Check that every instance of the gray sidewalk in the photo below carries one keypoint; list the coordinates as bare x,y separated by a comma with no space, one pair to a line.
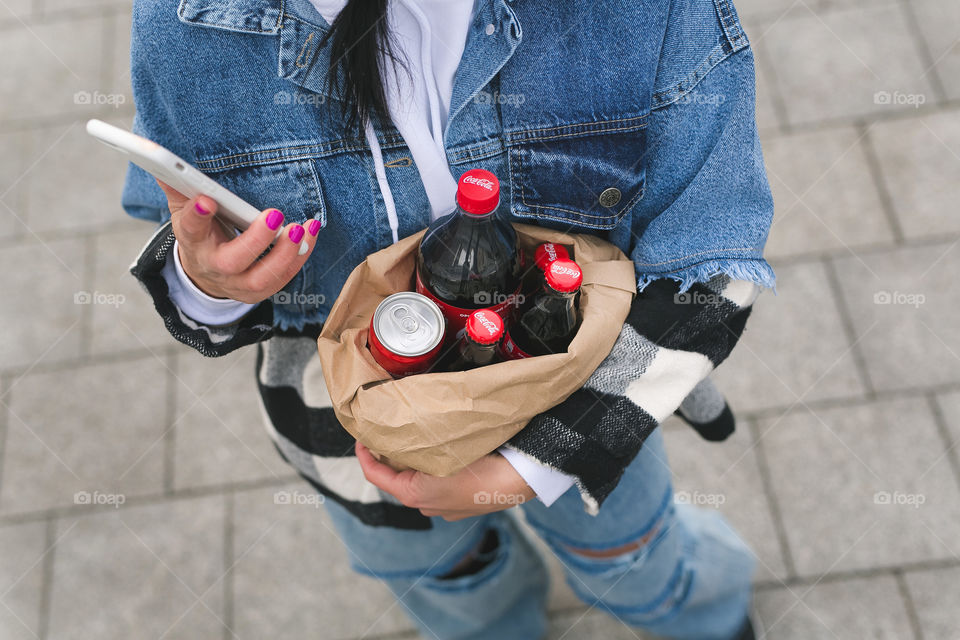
843,475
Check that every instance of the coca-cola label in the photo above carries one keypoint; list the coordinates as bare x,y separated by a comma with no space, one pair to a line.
490,325
510,349
564,275
457,317
562,269
480,182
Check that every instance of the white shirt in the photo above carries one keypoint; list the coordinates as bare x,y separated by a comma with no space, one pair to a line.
429,35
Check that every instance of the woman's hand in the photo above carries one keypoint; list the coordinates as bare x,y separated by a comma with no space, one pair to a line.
224,266
487,485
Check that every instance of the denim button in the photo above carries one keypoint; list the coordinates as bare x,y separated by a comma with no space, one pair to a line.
490,29
610,197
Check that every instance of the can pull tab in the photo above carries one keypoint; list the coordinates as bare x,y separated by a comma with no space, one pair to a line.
406,319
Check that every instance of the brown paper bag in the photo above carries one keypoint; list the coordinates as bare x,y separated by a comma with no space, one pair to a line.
439,423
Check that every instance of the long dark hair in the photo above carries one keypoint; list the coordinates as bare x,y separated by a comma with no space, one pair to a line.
360,46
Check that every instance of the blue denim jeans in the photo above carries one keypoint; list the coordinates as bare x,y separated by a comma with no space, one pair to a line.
690,578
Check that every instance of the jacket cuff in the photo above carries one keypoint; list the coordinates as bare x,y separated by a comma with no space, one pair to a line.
208,340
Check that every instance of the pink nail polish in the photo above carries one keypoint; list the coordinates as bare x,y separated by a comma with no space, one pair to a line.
274,219
313,227
296,234
202,210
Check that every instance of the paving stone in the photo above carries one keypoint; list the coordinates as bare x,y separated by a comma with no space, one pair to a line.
834,65
119,62
949,404
588,624
824,195
141,572
219,435
920,161
291,549
767,120
725,476
772,10
72,163
82,431
14,11
862,486
21,579
938,22
934,597
786,351
51,7
51,69
12,165
39,314
123,317
860,608
905,305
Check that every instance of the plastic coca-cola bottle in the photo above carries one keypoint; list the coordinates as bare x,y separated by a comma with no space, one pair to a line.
468,260
479,343
547,322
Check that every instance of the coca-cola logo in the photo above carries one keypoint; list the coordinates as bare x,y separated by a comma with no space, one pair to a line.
480,182
550,250
561,269
487,323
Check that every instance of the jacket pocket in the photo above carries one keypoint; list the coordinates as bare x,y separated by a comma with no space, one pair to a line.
292,186
587,175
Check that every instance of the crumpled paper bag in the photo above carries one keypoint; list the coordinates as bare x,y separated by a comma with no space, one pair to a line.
439,423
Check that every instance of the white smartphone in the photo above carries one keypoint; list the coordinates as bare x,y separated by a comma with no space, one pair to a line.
178,173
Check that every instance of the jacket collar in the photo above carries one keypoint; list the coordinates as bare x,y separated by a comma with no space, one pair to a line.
247,16
301,28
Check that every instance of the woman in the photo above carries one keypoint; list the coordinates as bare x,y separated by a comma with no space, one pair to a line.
632,121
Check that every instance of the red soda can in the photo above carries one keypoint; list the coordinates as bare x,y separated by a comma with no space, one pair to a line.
406,333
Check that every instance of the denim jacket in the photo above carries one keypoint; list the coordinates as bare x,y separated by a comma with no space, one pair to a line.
633,121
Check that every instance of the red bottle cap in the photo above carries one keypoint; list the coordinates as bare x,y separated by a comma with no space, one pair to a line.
564,276
547,253
485,326
478,192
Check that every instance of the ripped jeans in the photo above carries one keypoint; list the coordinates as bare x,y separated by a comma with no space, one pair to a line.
684,573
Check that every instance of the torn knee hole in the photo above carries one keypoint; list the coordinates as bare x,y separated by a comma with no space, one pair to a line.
477,558
612,552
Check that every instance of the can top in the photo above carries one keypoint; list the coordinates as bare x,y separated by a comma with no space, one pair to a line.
478,192
485,326
564,276
547,253
408,324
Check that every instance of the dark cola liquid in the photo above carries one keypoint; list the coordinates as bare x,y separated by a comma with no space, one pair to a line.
467,355
469,261
547,324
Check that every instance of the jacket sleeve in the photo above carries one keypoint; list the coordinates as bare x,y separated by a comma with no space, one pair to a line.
209,340
704,171
142,198
669,343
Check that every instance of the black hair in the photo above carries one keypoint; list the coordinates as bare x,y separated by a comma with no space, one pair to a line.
360,47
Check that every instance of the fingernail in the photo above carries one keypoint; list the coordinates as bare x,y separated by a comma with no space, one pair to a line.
202,210
296,233
274,219
313,227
